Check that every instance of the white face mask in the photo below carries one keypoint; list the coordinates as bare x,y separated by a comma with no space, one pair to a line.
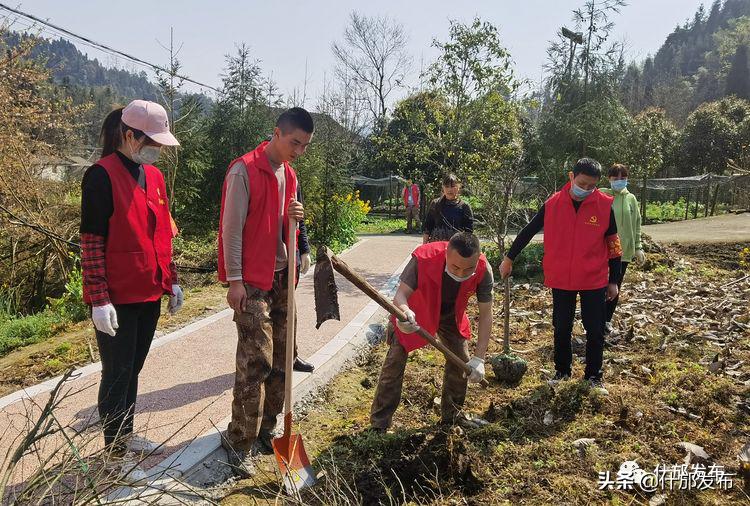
147,155
457,278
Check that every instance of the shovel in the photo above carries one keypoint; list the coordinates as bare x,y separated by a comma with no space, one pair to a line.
289,450
326,299
508,367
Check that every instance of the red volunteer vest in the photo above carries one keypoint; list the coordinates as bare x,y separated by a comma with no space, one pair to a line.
138,251
576,256
414,195
425,301
260,235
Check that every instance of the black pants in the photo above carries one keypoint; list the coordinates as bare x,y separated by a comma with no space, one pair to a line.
612,304
592,314
122,360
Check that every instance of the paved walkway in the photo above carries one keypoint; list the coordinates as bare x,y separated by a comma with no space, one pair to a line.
723,228
188,376
715,229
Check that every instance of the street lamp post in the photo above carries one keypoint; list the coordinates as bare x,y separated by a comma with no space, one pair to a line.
575,38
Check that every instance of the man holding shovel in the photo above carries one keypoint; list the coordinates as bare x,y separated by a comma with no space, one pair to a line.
258,200
581,256
434,294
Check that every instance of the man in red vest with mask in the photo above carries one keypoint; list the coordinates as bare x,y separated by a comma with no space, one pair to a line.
258,199
581,256
411,204
434,293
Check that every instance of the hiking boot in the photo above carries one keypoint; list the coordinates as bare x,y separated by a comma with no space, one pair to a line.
596,385
303,366
241,462
263,444
559,376
140,444
127,470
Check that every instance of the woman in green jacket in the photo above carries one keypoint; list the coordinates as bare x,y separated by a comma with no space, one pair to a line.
628,218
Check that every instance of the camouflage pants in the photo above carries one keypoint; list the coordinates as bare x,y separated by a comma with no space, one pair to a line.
412,213
261,354
388,391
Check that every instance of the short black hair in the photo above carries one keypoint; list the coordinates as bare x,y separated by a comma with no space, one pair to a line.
466,243
296,117
587,166
618,170
450,180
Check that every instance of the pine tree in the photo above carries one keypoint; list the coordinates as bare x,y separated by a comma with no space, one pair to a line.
738,79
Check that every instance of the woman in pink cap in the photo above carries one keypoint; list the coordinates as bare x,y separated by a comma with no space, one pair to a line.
126,248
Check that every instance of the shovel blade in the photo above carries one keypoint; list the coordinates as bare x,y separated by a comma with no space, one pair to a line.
326,292
293,462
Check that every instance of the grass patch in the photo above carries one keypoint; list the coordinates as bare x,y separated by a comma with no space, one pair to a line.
22,331
381,225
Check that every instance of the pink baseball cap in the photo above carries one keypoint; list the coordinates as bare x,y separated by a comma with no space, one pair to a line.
151,119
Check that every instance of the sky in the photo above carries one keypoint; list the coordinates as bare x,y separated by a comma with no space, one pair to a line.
292,38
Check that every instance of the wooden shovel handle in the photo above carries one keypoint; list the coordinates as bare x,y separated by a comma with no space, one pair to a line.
291,252
389,306
506,308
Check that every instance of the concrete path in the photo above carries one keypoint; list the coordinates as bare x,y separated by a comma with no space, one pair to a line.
715,229
186,384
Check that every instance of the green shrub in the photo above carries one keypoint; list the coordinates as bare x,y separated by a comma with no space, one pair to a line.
338,228
201,250
26,330
674,211
527,265
70,307
380,225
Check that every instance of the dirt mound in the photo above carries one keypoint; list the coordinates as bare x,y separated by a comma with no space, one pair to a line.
724,256
423,464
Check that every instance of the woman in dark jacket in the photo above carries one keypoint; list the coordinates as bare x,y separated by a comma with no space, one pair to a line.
447,214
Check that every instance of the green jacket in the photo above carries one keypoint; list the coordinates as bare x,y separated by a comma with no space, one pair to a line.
628,218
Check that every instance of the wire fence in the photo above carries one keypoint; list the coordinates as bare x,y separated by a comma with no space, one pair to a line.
683,198
384,194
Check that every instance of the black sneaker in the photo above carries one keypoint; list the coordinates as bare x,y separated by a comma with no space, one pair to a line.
559,376
596,385
241,462
263,445
302,366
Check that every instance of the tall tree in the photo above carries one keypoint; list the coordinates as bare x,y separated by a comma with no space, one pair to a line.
650,138
38,221
494,162
714,134
584,79
239,121
738,78
373,56
471,64
324,170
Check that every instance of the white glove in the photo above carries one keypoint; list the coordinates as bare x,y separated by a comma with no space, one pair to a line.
640,256
176,300
304,263
410,325
477,369
105,319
